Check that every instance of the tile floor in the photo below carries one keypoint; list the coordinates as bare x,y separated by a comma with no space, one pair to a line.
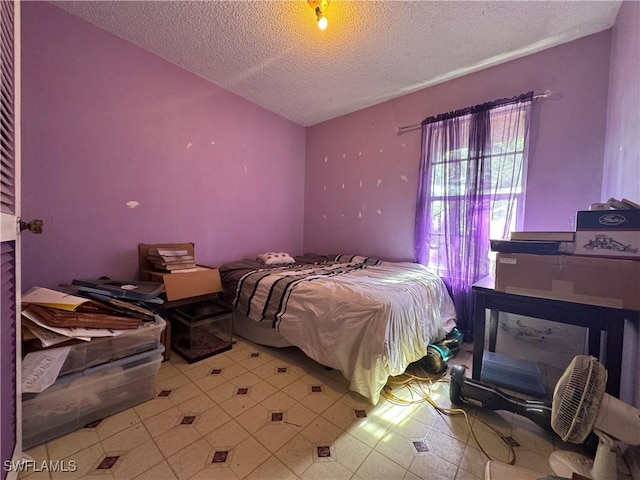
256,412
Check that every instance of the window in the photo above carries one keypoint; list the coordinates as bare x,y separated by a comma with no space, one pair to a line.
503,166
471,189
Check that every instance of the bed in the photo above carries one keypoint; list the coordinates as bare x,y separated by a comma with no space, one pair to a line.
365,317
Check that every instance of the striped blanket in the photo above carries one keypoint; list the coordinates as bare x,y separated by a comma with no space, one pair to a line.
262,295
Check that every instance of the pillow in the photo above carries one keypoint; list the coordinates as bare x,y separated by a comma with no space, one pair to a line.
275,258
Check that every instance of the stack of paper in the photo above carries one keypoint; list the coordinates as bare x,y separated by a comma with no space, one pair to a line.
38,300
171,260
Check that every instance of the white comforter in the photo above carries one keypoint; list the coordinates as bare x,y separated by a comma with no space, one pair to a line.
369,323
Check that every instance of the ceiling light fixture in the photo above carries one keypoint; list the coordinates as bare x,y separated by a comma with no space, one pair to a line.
319,6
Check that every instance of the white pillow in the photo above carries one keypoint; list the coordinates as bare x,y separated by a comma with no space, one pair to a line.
274,258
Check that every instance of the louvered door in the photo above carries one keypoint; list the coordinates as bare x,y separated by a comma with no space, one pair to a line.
10,405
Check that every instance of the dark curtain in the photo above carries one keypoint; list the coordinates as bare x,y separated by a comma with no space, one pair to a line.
471,184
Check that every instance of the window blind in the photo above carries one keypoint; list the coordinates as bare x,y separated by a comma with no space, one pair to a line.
7,117
7,351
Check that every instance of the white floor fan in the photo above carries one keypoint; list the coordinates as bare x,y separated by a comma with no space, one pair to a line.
580,405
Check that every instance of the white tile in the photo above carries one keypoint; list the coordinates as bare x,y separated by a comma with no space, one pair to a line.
274,436
137,460
248,359
38,454
473,461
445,446
116,423
211,420
161,471
198,404
215,472
326,470
254,418
378,467
158,424
262,390
184,392
463,474
207,377
350,452
490,441
246,379
321,430
153,407
344,416
454,426
533,461
398,448
541,444
85,462
407,476
189,461
226,397
303,391
71,443
247,455
127,439
297,454
423,412
410,428
272,469
177,438
433,467
229,434
167,369
369,431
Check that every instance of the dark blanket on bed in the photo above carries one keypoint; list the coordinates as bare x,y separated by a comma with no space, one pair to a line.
264,293
232,272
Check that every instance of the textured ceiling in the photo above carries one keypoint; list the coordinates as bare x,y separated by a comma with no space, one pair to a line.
272,52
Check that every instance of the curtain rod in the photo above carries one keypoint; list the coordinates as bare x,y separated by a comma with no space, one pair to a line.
409,128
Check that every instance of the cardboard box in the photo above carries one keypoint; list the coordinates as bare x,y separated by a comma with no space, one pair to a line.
606,282
179,286
608,233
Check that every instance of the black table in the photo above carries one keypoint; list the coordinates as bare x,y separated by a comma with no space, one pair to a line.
596,319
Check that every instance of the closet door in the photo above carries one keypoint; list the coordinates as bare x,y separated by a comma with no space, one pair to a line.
10,365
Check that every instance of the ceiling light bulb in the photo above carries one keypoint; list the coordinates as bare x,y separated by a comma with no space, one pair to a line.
319,7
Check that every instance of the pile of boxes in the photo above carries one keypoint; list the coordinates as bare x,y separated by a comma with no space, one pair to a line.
200,323
604,268
107,375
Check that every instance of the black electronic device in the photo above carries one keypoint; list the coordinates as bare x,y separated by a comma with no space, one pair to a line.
471,392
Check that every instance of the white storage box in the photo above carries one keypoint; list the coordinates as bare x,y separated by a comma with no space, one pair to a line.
608,233
80,398
99,350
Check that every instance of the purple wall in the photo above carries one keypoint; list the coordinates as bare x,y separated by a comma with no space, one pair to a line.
622,147
361,177
122,147
622,154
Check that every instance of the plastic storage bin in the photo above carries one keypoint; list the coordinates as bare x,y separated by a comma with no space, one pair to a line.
80,398
201,329
513,373
101,350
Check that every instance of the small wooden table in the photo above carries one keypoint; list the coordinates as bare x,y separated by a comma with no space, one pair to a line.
595,318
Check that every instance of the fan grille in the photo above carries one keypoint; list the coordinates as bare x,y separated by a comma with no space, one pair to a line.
577,398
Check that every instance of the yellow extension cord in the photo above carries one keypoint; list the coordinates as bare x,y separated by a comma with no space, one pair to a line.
421,387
